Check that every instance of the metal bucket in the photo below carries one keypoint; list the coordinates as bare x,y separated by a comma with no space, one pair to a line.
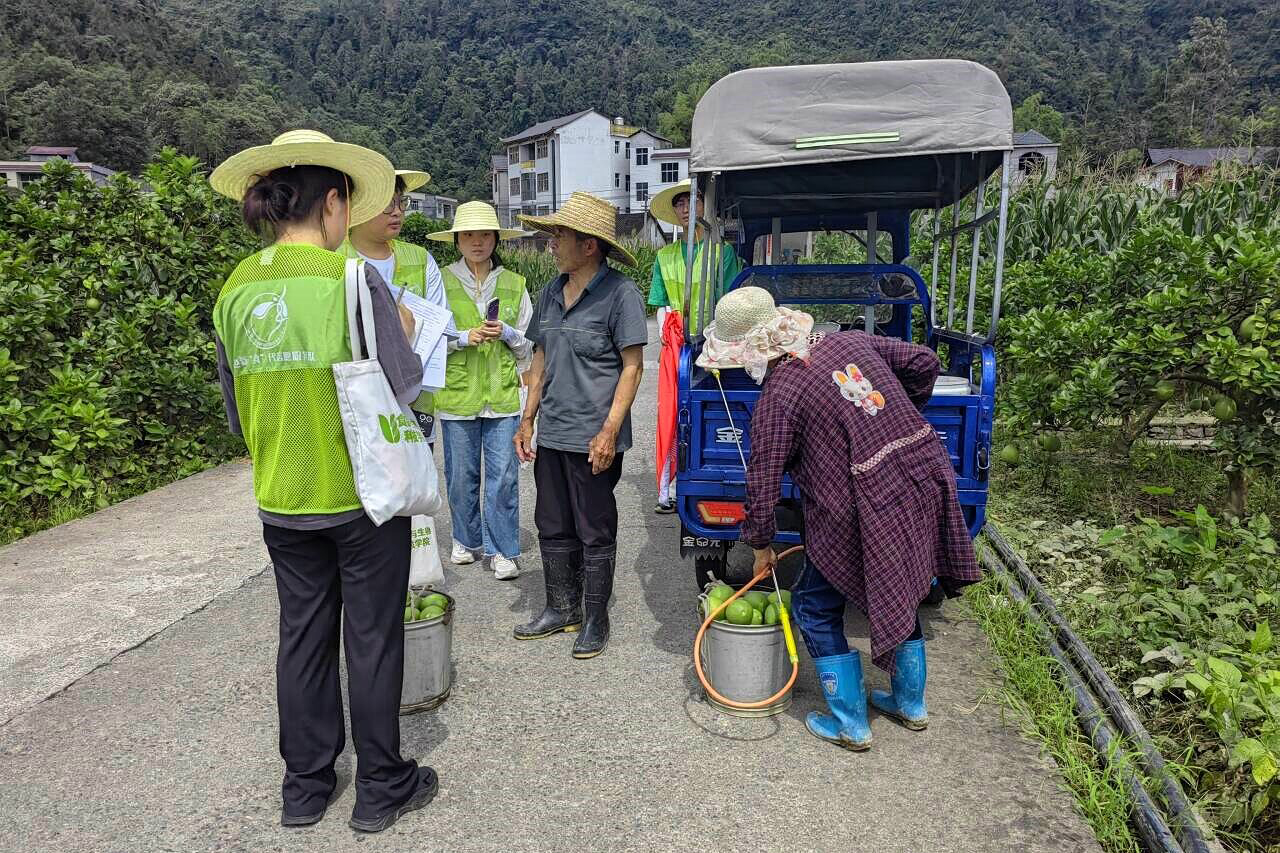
428,662
746,663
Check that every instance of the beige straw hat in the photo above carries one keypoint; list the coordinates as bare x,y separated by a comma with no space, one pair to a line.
663,206
476,216
588,215
412,179
373,179
750,331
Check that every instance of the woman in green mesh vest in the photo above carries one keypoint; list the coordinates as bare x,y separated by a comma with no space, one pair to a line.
479,408
402,265
667,290
280,325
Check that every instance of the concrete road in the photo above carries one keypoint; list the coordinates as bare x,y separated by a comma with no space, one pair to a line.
139,698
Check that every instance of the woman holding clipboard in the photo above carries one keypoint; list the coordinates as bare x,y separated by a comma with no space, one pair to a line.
479,407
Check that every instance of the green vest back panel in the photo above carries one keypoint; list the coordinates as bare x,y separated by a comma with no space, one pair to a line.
282,319
482,375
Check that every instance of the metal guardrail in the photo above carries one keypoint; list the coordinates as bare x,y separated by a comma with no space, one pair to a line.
1168,827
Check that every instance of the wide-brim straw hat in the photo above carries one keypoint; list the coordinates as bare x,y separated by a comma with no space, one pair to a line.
750,331
373,179
476,216
412,178
663,205
588,215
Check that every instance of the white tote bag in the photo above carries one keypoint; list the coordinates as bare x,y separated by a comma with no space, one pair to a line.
394,470
425,568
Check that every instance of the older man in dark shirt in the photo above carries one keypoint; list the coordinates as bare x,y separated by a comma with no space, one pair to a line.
880,508
589,330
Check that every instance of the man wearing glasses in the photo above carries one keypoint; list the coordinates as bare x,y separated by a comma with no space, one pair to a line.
402,265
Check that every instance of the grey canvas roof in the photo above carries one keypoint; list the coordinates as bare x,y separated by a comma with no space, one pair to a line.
542,128
810,114
1204,157
1032,139
838,140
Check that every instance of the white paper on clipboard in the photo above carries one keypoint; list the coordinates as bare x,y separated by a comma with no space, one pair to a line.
430,341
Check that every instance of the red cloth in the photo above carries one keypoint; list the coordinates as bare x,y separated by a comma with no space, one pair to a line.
668,376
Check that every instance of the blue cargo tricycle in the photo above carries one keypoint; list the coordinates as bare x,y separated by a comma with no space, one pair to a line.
779,154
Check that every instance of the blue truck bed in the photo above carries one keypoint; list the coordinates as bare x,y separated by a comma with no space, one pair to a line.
711,481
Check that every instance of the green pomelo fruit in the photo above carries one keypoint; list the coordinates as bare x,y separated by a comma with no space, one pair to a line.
1164,390
1010,454
771,615
757,618
1249,328
435,599
1224,409
409,614
757,599
430,612
739,613
91,304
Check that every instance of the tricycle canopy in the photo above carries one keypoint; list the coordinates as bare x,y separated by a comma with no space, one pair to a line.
857,136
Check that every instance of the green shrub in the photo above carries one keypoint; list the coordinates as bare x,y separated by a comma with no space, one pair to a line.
1182,615
108,360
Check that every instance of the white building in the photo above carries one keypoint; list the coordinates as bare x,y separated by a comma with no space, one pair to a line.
1169,170
18,173
1033,154
583,152
431,205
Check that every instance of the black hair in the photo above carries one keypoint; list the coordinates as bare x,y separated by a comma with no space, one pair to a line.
494,257
291,194
400,188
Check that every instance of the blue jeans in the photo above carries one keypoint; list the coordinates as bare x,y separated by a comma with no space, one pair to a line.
818,608
468,445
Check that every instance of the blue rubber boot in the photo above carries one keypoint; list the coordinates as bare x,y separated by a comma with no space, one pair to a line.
906,702
846,725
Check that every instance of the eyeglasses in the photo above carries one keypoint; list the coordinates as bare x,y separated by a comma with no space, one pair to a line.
398,202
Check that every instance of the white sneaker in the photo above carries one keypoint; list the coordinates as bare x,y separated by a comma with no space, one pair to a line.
461,556
504,569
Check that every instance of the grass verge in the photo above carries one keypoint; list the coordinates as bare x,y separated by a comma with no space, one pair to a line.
1033,689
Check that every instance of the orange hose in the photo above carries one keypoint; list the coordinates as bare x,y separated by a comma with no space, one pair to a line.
711,617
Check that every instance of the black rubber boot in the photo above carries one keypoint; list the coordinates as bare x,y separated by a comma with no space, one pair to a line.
562,574
597,589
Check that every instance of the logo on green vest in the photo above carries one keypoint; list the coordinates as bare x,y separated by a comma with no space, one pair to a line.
397,428
267,320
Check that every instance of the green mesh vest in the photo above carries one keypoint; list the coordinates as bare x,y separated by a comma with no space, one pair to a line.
410,272
282,318
671,263
485,374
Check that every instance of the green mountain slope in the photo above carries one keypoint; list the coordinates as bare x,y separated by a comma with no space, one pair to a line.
436,84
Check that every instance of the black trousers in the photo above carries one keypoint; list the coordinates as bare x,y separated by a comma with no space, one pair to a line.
356,573
575,508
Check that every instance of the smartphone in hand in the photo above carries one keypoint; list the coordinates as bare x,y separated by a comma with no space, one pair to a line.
491,310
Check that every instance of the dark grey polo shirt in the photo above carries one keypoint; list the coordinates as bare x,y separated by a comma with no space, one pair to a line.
582,357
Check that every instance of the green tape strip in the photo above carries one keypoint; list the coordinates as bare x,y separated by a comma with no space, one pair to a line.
848,139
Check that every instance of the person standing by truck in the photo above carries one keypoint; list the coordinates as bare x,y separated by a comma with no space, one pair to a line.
842,415
667,292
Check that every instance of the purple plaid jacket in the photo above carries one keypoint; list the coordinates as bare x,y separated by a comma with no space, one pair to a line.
880,508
